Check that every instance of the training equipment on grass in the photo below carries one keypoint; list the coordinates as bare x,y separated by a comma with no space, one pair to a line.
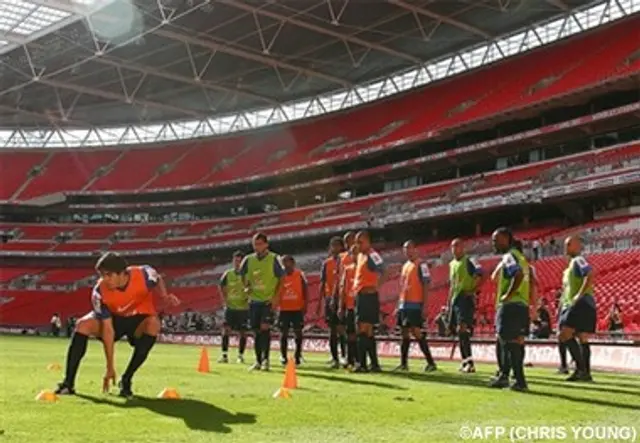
203,365
54,367
47,396
282,393
169,394
290,380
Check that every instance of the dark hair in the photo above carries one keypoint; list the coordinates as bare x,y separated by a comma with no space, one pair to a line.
288,257
238,253
365,234
112,262
261,236
505,231
336,241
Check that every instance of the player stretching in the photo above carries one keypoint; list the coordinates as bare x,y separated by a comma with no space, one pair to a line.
465,277
122,305
512,317
261,274
368,278
579,312
236,314
414,294
348,303
292,303
328,293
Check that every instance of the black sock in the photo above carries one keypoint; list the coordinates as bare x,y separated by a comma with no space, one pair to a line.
363,341
576,354
77,349
562,349
404,351
257,346
469,352
284,335
463,346
505,359
266,344
343,345
243,344
515,352
499,353
298,345
586,357
352,351
225,344
424,347
333,344
140,353
373,351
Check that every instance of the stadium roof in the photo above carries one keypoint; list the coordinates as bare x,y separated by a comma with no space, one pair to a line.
220,66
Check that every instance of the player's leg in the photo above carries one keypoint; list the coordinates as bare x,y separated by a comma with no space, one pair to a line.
332,321
518,328
228,324
374,318
503,328
405,344
569,324
241,327
466,311
284,321
87,326
146,329
417,323
298,324
585,347
352,337
342,340
265,332
254,323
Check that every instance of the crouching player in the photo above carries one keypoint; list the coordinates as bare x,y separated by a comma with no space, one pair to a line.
292,302
122,305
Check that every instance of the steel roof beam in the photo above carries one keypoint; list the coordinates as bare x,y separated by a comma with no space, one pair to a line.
321,30
265,60
444,19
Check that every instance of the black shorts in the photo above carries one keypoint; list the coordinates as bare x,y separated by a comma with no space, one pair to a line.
560,315
127,326
512,321
580,316
368,308
259,313
350,321
291,319
410,318
331,313
236,319
463,309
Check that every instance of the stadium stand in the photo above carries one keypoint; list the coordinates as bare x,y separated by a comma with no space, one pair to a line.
452,103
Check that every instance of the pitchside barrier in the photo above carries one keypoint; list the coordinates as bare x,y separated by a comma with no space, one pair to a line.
621,355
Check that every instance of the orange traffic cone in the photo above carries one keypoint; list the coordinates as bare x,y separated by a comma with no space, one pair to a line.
169,394
290,378
47,396
203,366
282,393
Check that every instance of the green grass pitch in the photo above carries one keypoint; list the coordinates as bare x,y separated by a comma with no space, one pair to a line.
232,405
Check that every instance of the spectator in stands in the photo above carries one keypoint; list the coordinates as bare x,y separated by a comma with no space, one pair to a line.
56,325
616,326
541,326
441,322
536,250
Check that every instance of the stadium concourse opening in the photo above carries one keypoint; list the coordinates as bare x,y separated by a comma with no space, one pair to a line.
288,221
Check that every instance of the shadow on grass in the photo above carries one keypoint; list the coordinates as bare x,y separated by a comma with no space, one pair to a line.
594,387
353,379
197,415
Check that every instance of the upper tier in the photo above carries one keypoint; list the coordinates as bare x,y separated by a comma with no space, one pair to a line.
576,64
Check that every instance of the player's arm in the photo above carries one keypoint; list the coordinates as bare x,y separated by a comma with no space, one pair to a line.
323,284
278,271
342,292
376,264
107,335
155,282
582,269
425,278
223,288
305,292
244,271
533,295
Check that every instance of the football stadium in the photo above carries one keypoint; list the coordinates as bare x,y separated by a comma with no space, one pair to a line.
319,220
